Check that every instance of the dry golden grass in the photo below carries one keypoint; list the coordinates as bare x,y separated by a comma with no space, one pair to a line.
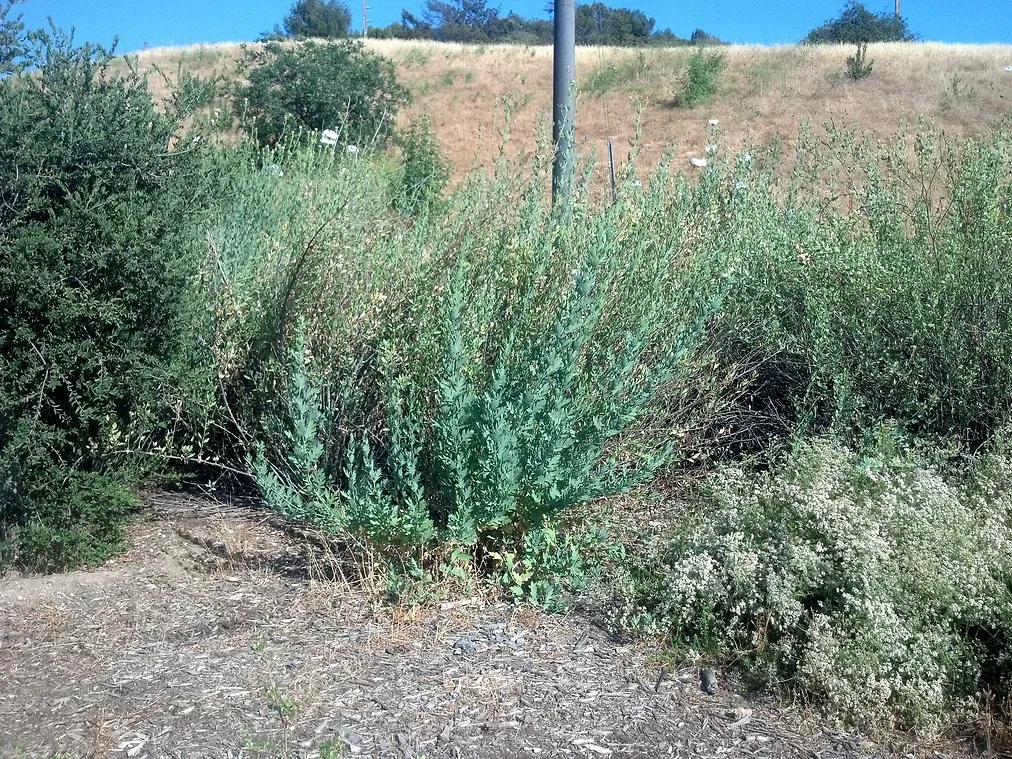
765,93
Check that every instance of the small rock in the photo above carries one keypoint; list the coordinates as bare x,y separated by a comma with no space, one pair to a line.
466,645
1008,69
708,681
699,163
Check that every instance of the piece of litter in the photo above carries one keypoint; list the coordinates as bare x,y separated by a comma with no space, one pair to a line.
1008,69
741,716
713,122
699,163
447,605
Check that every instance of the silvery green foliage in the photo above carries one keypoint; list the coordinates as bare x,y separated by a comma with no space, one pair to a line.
863,579
297,485
456,385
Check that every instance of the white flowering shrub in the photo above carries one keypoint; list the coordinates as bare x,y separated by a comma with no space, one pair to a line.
873,583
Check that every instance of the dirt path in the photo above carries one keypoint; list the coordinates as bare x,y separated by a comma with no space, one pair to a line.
207,640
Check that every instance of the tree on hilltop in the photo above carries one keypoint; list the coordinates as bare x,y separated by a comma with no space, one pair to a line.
324,19
857,24
597,24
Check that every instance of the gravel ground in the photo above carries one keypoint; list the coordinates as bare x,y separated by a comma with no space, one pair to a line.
209,638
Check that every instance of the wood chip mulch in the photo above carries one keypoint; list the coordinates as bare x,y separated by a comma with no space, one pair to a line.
209,639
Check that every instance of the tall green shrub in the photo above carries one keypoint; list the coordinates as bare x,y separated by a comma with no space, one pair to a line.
424,171
313,86
95,212
884,301
464,381
700,81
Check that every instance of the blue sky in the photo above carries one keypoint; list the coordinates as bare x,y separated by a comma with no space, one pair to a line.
170,22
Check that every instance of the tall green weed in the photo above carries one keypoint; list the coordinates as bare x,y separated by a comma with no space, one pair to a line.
877,291
467,378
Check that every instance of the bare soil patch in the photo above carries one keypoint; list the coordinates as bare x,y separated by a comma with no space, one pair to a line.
209,639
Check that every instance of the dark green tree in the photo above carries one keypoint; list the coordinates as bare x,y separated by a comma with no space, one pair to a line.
475,22
323,19
699,37
597,24
13,45
461,20
857,24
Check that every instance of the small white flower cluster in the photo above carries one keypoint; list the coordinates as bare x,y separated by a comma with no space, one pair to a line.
858,576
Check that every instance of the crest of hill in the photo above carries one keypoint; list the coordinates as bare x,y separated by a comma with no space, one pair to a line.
764,93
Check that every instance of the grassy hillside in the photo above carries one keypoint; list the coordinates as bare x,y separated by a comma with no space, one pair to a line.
764,93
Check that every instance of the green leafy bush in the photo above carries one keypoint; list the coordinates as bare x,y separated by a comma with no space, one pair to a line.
700,82
873,582
316,86
55,517
424,171
95,217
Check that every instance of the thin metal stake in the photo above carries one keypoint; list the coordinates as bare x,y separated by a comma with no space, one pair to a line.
611,164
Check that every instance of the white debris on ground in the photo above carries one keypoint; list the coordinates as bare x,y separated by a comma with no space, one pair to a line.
699,163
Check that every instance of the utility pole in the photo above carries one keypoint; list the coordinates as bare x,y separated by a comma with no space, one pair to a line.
564,97
365,20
